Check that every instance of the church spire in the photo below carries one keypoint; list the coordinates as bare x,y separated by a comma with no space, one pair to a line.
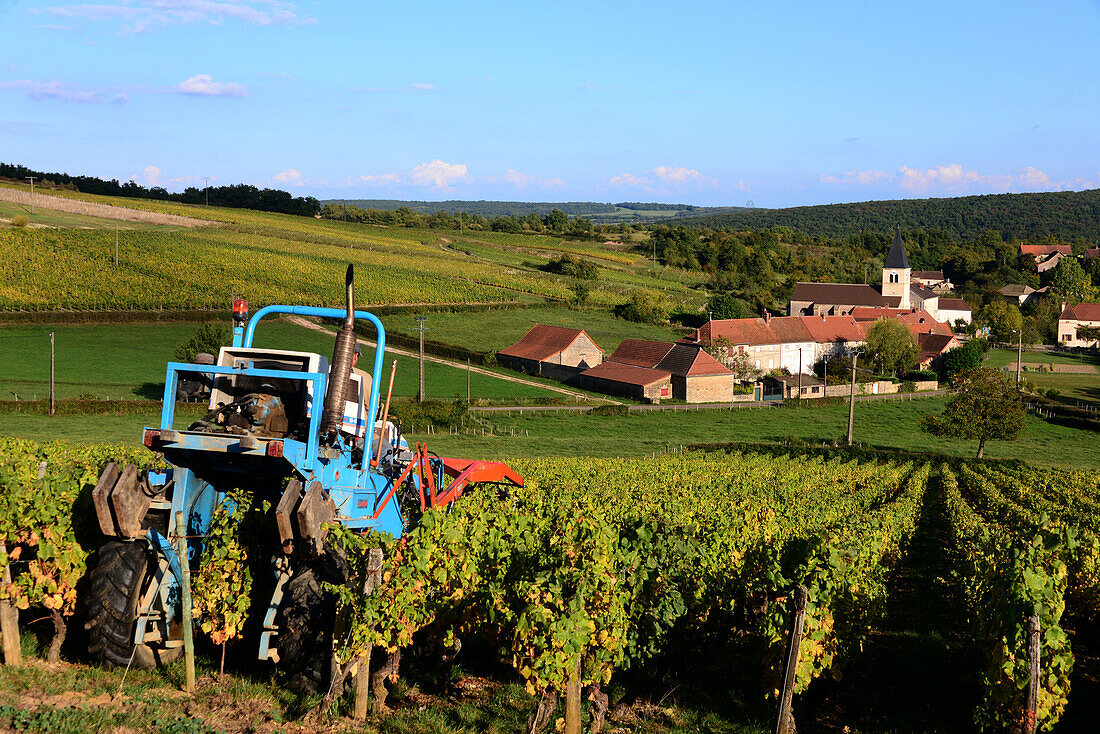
896,258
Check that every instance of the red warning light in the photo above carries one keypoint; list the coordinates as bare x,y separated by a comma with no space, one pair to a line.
240,310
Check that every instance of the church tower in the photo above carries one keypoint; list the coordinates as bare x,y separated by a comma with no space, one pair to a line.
896,272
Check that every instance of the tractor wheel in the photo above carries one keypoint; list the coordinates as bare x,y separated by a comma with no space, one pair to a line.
307,617
115,587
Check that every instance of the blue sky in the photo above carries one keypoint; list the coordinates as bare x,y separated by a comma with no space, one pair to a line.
711,103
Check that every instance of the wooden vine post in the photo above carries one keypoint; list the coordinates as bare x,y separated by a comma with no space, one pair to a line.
185,594
785,721
573,698
9,619
362,675
1033,674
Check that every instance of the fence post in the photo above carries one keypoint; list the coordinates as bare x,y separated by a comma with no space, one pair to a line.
785,722
1033,674
362,676
9,619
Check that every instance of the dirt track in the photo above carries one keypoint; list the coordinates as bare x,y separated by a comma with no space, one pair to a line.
92,209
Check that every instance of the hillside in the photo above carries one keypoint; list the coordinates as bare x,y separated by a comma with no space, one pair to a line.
279,258
1063,214
628,211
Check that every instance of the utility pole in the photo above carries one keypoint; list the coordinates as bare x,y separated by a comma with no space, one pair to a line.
31,179
116,245
826,360
51,374
467,381
852,399
206,189
420,327
800,373
1019,356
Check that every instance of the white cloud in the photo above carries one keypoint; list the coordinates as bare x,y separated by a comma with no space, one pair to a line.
416,87
665,178
951,179
425,87
140,16
60,91
629,179
381,178
152,176
202,85
438,174
682,176
289,177
526,180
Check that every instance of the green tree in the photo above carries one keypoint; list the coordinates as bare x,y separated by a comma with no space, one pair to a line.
556,220
890,347
728,306
985,407
963,358
1070,279
1002,318
209,338
581,289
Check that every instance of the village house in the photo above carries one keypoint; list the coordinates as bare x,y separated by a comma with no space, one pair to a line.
932,346
1046,256
790,343
556,352
1021,293
1074,319
954,309
933,279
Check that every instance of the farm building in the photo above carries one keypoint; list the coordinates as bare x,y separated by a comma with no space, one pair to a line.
1074,319
932,346
696,377
1021,293
552,351
628,381
788,386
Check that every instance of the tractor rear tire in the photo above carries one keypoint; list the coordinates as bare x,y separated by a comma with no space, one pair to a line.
306,620
115,587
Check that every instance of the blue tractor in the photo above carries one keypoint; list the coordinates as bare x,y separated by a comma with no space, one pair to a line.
296,430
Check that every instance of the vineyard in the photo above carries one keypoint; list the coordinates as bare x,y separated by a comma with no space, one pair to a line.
609,570
273,258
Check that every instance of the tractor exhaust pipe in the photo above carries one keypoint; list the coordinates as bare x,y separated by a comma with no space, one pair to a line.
340,369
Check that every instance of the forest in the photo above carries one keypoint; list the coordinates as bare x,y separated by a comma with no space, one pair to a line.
238,196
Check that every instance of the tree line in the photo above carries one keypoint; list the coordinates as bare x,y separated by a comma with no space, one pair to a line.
237,196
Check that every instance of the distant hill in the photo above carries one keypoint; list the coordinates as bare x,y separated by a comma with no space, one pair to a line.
1062,214
629,211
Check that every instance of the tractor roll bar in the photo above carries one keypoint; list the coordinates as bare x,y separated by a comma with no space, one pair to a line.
333,313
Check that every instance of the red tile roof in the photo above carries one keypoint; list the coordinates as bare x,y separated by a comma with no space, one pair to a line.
933,345
1092,252
626,374
640,352
1082,312
543,342
780,330
928,274
689,361
1044,250
917,321
826,329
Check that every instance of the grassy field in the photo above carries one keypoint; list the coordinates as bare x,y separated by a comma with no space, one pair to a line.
490,331
879,424
1071,387
885,424
127,361
51,218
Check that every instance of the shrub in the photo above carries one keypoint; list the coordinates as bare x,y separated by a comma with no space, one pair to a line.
645,306
574,267
209,338
611,410
19,221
